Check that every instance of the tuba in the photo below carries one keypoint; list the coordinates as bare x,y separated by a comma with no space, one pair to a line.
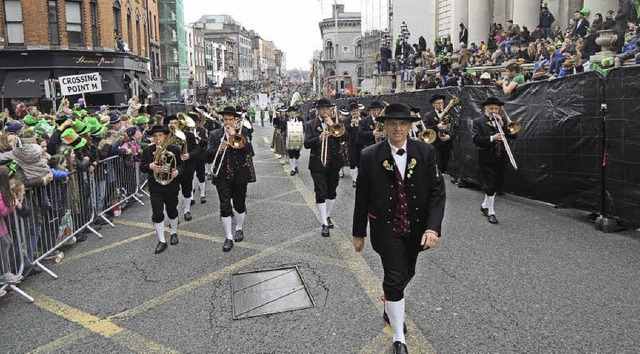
446,118
166,160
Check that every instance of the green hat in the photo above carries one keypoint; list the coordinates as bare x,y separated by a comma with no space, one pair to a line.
585,11
80,127
94,125
30,120
73,139
141,119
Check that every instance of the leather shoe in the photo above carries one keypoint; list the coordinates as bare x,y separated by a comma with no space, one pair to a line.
485,211
399,348
160,247
354,184
385,317
203,200
173,239
492,219
325,230
187,216
192,201
292,173
228,245
329,223
239,236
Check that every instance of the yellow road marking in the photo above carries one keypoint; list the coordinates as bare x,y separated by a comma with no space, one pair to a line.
107,247
367,279
103,327
380,344
61,342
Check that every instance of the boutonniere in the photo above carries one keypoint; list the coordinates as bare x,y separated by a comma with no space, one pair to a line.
371,126
490,123
387,165
319,129
411,166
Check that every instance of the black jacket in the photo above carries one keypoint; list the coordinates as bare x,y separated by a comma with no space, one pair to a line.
148,158
376,191
482,132
312,141
238,159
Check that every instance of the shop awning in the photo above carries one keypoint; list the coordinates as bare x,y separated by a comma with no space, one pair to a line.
147,85
25,84
111,82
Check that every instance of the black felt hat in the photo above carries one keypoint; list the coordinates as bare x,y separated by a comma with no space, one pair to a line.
158,129
415,109
376,104
397,111
353,106
292,109
437,97
492,100
323,102
229,110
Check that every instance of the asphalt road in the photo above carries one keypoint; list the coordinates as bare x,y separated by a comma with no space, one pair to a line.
543,280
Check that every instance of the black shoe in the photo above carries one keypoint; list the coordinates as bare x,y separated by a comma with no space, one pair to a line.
209,177
193,202
492,219
329,223
173,239
399,348
296,170
239,236
353,184
187,216
228,245
325,231
385,317
203,200
292,173
160,247
485,211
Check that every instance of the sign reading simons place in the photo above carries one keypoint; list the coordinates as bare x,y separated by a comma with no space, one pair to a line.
78,84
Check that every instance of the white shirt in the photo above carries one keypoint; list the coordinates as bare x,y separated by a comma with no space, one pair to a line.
401,161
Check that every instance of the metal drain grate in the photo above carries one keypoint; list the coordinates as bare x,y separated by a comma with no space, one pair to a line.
264,292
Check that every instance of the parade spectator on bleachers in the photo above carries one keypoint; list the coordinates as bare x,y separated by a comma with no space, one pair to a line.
546,20
581,24
514,78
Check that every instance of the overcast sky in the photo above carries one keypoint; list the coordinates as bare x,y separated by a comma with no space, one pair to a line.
297,35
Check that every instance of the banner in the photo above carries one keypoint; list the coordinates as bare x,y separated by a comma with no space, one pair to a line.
79,84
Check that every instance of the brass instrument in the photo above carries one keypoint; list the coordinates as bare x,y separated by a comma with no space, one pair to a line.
166,160
512,127
235,141
380,126
335,130
423,133
507,148
355,121
446,118
185,121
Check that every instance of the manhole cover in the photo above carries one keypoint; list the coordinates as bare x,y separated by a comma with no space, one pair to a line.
263,292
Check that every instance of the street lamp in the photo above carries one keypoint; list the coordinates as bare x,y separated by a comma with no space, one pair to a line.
404,34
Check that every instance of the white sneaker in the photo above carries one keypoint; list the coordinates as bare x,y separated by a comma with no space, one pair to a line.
10,278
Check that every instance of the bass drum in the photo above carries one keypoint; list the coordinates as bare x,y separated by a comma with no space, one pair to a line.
295,133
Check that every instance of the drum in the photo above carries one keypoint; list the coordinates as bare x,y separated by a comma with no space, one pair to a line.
295,133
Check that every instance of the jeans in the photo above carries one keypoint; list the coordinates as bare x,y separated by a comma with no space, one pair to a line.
507,45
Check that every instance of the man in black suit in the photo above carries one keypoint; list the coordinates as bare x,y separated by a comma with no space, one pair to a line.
367,134
162,196
491,153
190,156
443,142
231,160
401,194
324,169
294,154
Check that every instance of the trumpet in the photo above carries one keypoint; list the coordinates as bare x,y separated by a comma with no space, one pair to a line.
335,130
235,141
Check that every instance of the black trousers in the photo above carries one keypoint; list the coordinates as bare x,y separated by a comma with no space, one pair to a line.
444,155
294,154
200,170
492,177
399,255
228,190
186,180
325,183
160,201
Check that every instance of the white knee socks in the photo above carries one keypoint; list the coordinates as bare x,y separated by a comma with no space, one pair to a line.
203,188
174,225
395,311
330,203
354,174
239,219
226,226
322,210
160,231
186,204
490,201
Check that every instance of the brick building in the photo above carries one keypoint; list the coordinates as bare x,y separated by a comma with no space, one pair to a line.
42,40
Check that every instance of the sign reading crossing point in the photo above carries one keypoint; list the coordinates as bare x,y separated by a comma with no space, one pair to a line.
79,84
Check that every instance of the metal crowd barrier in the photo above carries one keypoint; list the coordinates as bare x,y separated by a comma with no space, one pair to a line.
61,211
117,183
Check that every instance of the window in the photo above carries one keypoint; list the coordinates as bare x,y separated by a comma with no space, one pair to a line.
155,19
359,49
129,30
138,37
146,38
13,19
74,22
329,50
117,16
54,33
93,6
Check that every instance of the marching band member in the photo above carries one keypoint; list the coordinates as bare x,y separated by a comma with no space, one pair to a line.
325,160
432,120
294,154
162,196
404,216
232,164
491,154
190,158
368,134
353,127
345,119
200,134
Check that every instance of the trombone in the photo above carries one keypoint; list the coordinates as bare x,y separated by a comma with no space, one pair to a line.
235,141
336,130
513,128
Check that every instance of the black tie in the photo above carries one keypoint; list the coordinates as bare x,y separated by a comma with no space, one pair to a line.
400,152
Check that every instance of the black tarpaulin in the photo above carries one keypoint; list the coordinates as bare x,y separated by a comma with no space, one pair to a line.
25,83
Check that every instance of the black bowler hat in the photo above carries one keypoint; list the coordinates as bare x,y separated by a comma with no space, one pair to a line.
229,110
415,109
397,111
353,106
492,100
437,97
376,104
158,129
292,109
323,102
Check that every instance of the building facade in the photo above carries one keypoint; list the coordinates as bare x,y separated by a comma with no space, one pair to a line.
43,40
342,45
175,66
215,64
381,19
196,55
